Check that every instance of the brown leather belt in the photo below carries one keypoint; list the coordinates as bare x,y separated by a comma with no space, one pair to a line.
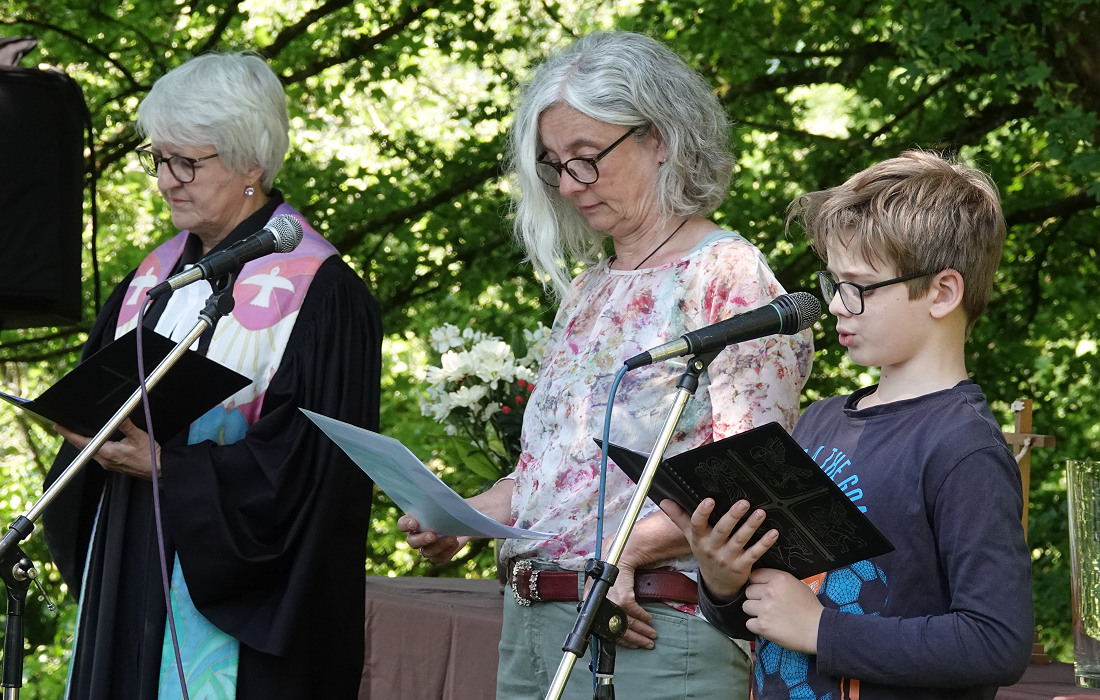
531,585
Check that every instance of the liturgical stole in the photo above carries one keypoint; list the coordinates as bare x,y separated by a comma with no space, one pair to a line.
268,294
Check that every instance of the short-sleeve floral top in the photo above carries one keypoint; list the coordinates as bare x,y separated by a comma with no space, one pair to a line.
612,315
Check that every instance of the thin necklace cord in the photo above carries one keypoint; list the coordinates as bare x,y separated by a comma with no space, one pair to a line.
662,244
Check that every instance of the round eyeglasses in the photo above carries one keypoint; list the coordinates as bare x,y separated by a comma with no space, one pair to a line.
181,167
583,170
851,294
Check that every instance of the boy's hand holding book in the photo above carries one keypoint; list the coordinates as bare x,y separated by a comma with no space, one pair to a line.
724,562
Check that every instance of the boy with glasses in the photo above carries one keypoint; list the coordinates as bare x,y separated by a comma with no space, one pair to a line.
911,245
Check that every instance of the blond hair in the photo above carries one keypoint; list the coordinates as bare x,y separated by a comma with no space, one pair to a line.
921,212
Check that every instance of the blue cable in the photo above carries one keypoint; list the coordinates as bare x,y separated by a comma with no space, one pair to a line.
603,459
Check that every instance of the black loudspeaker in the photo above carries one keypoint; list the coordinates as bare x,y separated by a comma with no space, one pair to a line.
42,117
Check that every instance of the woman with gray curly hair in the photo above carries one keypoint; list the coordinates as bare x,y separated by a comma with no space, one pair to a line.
264,519
620,152
626,83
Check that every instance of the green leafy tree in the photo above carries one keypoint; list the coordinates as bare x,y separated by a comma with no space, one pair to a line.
399,112
820,90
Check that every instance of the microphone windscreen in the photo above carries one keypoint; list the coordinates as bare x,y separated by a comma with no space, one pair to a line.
287,231
798,311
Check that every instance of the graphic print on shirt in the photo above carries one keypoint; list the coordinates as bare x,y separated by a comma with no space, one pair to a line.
860,588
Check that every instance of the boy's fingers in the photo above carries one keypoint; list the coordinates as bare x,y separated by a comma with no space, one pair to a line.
724,526
762,545
701,517
675,513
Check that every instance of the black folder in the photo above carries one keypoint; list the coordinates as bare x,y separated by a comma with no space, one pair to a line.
820,529
86,398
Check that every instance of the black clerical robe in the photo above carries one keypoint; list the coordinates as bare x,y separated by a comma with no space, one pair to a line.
270,530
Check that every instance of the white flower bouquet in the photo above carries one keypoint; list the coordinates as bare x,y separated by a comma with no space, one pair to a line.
479,390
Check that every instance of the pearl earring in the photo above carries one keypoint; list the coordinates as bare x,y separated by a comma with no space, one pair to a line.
249,191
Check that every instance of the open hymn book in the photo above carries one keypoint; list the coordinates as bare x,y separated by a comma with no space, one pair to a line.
86,398
820,529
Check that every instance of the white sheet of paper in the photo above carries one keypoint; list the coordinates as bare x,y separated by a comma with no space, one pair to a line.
411,485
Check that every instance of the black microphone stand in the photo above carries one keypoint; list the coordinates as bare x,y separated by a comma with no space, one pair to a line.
15,568
600,616
16,571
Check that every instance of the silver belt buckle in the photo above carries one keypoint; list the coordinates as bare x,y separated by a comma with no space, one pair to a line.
532,584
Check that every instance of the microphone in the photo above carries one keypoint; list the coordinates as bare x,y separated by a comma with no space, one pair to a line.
786,314
281,235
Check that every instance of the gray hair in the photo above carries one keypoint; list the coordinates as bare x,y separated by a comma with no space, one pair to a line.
233,102
629,80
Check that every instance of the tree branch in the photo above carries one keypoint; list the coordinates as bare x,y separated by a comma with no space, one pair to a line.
299,28
1033,296
554,15
917,102
785,130
424,204
62,333
358,48
1062,209
40,357
971,131
852,64
232,10
82,41
402,296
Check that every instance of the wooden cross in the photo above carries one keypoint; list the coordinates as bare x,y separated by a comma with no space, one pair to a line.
1024,440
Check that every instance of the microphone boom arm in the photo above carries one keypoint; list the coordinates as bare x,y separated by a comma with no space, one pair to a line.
785,315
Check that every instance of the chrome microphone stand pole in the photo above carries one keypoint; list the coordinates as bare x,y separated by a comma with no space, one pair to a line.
596,609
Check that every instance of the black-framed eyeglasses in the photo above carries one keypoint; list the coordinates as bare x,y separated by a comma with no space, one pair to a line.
851,294
182,167
583,170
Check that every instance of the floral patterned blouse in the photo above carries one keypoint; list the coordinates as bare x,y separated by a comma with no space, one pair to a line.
612,315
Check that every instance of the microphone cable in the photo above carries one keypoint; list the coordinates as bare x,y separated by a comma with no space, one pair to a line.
163,558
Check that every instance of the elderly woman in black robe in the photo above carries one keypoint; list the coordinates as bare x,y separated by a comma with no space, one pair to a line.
264,520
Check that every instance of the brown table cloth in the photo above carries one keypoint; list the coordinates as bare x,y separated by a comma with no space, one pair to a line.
436,638
430,638
1046,681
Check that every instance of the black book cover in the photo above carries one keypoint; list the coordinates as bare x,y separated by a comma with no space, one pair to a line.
86,398
820,529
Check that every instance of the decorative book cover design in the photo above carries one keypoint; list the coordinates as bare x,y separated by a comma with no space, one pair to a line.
820,529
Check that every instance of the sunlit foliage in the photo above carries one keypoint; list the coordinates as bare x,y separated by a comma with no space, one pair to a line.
399,111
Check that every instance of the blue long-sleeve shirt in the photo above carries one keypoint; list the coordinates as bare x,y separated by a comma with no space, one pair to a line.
948,614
